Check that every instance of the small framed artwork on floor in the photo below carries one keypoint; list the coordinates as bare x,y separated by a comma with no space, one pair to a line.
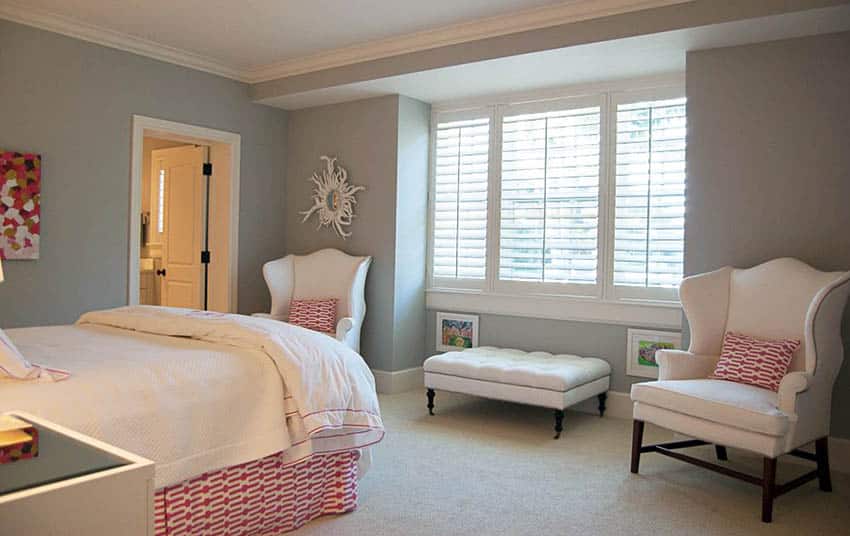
643,343
456,332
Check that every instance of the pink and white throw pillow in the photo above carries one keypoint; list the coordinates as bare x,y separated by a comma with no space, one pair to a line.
754,361
14,366
318,315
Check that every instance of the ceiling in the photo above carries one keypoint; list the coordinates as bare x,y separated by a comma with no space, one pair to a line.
249,33
267,40
643,56
254,40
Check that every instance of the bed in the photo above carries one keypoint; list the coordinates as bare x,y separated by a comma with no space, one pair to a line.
255,425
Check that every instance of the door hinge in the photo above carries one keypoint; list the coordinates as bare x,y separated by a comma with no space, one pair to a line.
205,257
207,169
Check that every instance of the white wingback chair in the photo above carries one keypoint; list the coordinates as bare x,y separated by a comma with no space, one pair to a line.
327,273
780,299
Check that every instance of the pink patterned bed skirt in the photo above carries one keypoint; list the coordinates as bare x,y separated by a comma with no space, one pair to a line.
261,497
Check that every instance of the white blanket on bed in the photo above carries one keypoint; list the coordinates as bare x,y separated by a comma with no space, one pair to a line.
330,390
198,391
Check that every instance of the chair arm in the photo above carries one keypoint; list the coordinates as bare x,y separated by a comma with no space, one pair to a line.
683,365
344,325
791,385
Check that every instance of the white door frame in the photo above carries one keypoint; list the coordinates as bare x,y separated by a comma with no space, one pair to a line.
160,128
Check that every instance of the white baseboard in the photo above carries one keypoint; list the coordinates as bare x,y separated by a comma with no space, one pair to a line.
391,382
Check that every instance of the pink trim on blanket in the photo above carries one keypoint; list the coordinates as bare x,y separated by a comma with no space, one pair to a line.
56,374
335,451
358,432
367,412
340,435
263,496
324,427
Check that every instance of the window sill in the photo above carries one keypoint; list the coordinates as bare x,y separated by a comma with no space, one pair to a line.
643,313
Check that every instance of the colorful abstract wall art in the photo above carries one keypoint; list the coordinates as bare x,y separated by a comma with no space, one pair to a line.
20,205
456,332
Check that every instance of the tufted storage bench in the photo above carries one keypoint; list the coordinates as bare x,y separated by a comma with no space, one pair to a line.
534,378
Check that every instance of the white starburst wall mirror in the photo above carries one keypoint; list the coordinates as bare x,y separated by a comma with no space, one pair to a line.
333,197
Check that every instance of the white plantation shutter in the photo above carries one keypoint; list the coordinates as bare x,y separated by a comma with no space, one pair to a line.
650,194
459,237
550,196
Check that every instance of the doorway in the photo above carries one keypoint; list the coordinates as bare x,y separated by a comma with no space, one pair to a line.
168,231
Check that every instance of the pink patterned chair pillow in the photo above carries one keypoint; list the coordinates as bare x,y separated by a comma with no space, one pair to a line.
759,362
318,315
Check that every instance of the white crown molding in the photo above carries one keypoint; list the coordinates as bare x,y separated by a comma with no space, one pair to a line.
532,19
44,20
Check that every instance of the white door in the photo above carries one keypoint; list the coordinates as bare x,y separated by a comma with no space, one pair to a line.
182,237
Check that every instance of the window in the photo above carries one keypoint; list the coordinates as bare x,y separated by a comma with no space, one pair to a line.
586,201
650,194
160,205
550,196
461,167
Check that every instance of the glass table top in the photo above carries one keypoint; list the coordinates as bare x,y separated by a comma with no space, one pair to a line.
59,458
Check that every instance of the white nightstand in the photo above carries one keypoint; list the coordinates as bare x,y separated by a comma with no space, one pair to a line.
76,485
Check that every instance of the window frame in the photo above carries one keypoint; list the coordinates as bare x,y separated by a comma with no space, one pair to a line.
626,292
603,302
543,288
446,117
154,238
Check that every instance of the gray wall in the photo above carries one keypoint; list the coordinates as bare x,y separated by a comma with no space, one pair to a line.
72,102
769,162
383,143
414,124
363,135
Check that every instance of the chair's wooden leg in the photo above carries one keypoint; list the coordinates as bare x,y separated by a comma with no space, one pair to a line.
559,422
431,401
768,489
602,398
637,442
822,453
720,450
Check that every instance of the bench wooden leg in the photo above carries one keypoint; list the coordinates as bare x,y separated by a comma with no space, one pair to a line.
559,422
430,401
602,398
637,442
720,451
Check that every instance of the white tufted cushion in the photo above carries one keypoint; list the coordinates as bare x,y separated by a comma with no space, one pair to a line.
732,404
539,370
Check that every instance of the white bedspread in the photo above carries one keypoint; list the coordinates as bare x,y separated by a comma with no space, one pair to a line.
210,391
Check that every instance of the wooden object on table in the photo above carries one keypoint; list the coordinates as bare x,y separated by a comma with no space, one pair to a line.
18,439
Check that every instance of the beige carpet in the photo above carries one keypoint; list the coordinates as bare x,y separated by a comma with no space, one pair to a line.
484,467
